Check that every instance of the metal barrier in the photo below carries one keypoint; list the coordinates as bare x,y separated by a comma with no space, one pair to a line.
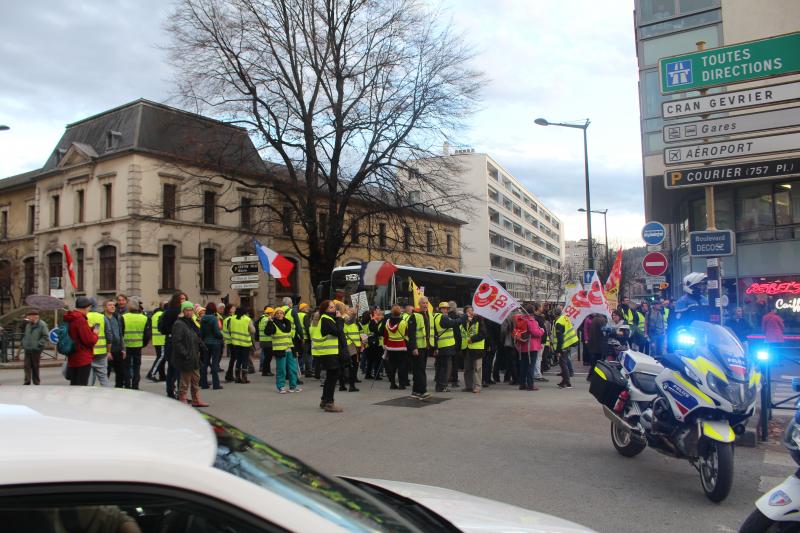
778,356
10,346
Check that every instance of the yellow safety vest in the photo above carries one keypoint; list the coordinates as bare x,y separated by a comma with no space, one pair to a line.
463,337
134,329
444,337
226,336
94,318
281,340
262,330
287,313
353,334
666,316
422,341
159,339
301,316
400,334
640,325
196,320
471,332
327,345
570,335
628,316
239,331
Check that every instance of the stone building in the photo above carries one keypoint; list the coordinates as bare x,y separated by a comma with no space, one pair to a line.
137,193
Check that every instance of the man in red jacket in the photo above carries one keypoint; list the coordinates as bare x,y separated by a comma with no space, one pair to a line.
773,327
79,362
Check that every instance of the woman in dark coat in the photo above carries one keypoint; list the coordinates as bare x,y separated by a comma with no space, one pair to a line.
186,353
211,334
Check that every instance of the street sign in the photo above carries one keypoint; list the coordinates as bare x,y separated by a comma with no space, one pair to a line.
738,172
653,233
731,100
655,264
53,336
246,277
652,281
243,286
245,259
57,293
765,58
766,144
654,247
244,268
712,243
587,276
751,122
663,286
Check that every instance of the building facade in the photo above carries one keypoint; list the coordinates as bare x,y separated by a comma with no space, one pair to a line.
139,195
763,214
509,234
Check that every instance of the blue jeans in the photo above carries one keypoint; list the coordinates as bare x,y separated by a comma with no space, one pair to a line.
535,368
285,364
525,369
212,362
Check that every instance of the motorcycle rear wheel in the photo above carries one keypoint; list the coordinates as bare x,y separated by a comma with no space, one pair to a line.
624,442
758,523
716,470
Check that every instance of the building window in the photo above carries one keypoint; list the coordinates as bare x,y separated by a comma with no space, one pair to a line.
355,233
382,235
169,197
31,219
5,284
80,273
56,211
209,207
108,268
4,225
112,139
429,242
209,269
449,244
293,287
81,206
54,269
244,211
286,220
29,276
107,198
323,224
168,267
406,239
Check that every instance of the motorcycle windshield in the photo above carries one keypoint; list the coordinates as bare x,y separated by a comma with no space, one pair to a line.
720,343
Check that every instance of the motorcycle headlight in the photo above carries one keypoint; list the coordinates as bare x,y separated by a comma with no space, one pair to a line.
734,392
691,374
717,385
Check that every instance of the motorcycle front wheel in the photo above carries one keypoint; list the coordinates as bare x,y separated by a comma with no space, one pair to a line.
716,470
758,523
624,442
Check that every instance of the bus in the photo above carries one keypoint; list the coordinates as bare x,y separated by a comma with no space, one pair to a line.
438,286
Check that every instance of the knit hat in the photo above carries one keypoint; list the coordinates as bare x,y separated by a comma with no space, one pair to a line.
187,305
303,306
82,302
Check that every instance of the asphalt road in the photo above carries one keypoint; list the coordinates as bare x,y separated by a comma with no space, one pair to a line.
547,450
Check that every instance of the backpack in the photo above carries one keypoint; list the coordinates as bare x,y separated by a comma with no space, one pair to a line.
65,344
521,333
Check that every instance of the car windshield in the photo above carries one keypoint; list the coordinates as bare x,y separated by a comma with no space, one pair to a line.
723,345
249,458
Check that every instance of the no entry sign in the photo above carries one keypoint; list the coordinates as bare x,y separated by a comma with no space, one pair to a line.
655,264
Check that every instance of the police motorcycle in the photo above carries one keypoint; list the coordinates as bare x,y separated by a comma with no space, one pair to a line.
778,509
688,405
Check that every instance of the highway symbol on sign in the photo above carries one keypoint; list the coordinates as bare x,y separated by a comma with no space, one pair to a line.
655,264
246,277
244,268
724,102
243,286
766,144
749,123
244,259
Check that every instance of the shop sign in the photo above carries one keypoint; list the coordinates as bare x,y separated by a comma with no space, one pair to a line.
792,305
775,287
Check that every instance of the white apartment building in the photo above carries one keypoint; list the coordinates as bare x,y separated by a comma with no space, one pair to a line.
510,234
577,256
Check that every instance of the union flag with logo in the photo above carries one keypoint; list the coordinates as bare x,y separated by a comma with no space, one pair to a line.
492,301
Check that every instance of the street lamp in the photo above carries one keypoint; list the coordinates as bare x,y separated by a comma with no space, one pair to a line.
584,126
605,227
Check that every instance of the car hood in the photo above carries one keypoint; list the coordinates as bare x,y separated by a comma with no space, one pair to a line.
474,514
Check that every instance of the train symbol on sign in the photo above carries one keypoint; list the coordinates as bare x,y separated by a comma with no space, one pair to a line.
679,73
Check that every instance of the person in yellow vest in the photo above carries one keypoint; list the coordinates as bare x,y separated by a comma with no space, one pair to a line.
228,312
444,329
324,334
474,338
137,336
421,323
157,372
566,344
374,349
397,342
265,342
279,329
304,342
240,329
100,351
352,332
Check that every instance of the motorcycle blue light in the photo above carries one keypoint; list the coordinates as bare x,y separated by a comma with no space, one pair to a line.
685,339
762,355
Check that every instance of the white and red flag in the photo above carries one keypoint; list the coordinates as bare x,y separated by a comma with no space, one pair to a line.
377,273
492,301
581,303
70,267
274,263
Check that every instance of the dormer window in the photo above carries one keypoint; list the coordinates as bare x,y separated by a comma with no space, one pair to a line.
112,139
60,152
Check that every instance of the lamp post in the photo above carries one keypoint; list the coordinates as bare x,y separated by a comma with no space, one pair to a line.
604,212
584,126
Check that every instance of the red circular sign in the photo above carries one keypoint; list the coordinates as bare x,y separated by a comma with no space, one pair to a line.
655,264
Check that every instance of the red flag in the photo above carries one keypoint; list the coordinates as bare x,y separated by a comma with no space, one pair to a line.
70,268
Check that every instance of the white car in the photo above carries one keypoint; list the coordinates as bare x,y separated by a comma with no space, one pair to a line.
102,460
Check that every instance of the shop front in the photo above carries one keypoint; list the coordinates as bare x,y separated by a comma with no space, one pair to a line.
757,296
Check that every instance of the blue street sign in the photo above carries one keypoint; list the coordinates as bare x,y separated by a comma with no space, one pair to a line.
588,275
653,233
715,243
53,335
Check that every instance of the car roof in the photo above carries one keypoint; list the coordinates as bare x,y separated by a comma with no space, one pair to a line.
68,423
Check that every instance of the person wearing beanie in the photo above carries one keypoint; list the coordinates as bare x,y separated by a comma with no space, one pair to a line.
265,342
186,352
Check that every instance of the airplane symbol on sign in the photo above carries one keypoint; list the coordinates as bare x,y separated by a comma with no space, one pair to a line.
674,155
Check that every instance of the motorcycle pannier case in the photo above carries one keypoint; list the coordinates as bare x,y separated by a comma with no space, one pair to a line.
606,382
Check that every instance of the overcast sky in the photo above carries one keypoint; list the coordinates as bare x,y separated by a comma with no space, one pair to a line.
561,60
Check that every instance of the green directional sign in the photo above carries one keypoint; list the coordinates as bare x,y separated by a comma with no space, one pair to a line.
766,58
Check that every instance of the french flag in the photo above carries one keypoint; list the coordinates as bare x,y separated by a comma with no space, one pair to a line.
274,263
377,273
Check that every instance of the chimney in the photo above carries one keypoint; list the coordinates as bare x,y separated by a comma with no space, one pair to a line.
446,148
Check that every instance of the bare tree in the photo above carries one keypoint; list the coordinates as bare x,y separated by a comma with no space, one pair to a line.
345,95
